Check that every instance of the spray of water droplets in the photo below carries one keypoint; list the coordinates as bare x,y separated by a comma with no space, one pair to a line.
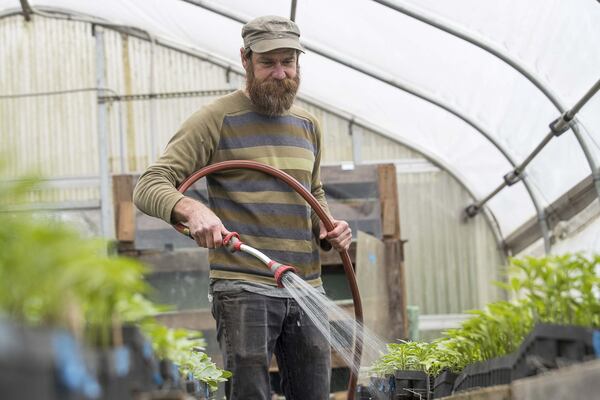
335,324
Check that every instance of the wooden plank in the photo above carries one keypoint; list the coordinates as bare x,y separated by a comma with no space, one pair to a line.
562,209
360,173
126,222
396,288
188,260
124,215
500,392
357,209
372,285
389,224
388,196
580,381
354,190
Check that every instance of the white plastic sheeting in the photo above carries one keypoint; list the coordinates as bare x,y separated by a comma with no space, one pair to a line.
557,41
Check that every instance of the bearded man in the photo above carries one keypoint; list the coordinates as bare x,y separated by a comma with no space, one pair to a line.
255,319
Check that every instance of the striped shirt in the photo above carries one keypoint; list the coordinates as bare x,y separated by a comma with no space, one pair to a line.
266,212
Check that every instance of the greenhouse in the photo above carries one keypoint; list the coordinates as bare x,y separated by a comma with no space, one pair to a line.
449,152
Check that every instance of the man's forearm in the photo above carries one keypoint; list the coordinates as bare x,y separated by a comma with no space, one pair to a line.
186,209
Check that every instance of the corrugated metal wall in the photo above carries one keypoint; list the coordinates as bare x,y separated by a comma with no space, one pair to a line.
54,135
449,264
139,130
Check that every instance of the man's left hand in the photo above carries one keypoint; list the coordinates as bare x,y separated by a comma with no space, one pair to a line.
340,237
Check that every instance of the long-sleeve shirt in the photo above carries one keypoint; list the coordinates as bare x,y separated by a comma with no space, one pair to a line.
266,212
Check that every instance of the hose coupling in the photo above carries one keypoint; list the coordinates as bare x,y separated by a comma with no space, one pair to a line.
278,270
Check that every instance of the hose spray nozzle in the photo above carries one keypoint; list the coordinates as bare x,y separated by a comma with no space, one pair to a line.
233,243
278,270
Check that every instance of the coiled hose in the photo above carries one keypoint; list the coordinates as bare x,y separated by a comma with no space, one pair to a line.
314,204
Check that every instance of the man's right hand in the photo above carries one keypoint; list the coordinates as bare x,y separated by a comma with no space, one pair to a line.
205,227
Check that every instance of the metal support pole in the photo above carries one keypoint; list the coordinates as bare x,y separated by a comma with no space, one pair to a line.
153,106
106,221
293,10
27,11
356,136
557,128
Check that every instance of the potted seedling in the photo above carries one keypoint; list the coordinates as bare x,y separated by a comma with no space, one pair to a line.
405,361
200,368
443,363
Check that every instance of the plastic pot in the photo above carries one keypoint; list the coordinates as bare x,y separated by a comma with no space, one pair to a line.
411,385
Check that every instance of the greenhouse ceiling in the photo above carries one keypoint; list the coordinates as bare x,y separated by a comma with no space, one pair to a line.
472,85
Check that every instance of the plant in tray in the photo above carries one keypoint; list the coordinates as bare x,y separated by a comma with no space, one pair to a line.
561,289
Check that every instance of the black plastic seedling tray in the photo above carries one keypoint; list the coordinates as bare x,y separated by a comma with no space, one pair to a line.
411,385
551,346
497,371
443,384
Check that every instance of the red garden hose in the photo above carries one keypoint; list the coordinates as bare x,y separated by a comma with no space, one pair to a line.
314,204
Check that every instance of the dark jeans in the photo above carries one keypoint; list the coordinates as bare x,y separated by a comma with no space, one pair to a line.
251,327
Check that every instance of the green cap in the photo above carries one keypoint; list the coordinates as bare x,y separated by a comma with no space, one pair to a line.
271,32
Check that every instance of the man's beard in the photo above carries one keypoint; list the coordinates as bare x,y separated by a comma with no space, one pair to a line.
272,96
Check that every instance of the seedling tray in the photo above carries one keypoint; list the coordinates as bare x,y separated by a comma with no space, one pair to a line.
497,371
411,385
443,384
551,346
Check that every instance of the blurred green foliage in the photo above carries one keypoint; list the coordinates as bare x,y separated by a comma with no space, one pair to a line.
53,276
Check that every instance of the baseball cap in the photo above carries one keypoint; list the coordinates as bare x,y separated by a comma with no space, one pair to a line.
271,32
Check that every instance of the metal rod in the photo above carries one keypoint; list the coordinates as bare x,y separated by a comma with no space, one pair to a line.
488,47
356,136
534,153
153,110
293,10
52,93
555,130
166,95
26,10
105,201
586,97
487,198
